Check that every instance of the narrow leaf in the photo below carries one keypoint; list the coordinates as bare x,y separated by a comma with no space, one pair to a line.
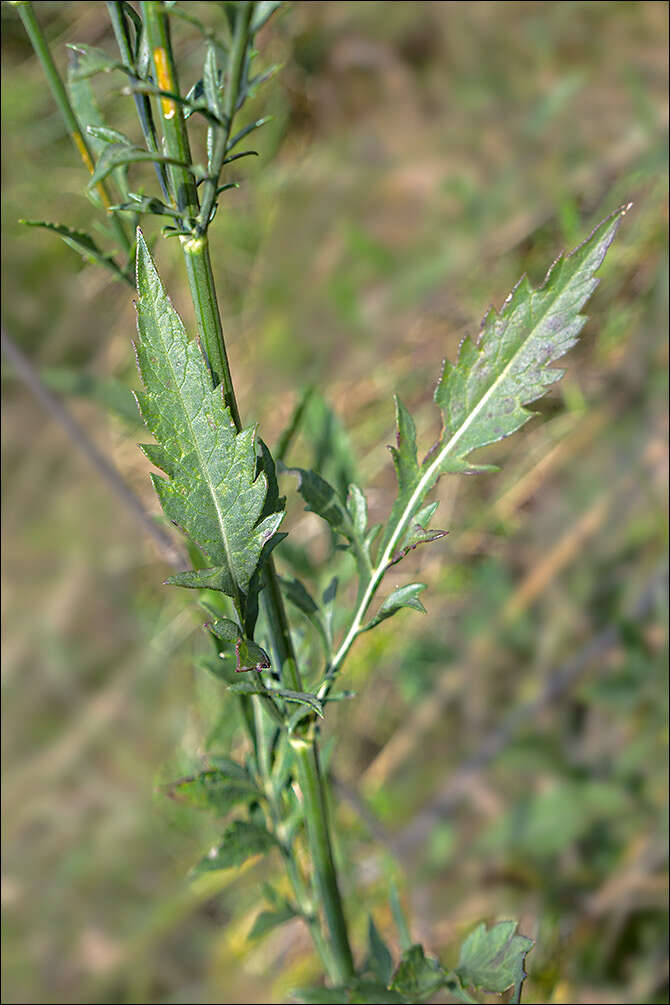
117,155
86,60
380,959
298,697
81,243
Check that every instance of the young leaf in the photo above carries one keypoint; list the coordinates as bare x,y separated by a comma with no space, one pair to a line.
86,60
213,490
241,840
380,960
298,697
267,921
418,976
492,959
402,596
117,155
215,790
248,654
81,243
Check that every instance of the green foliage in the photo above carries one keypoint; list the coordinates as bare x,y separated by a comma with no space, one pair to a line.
241,840
217,789
213,489
492,959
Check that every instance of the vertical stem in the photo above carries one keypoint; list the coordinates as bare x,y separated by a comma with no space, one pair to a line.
203,293
40,45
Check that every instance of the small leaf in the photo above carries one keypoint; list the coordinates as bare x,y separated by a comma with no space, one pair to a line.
113,395
359,992
86,60
263,12
380,959
147,204
107,135
418,976
241,840
399,918
267,921
117,155
298,697
250,656
215,790
81,243
402,596
492,959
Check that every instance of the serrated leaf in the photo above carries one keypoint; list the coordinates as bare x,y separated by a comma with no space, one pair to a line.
248,654
213,489
402,596
80,242
492,959
267,921
380,959
241,840
417,976
215,790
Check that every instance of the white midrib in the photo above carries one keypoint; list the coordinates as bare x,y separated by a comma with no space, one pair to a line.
421,488
203,468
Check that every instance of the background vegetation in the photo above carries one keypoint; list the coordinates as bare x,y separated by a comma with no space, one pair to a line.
509,749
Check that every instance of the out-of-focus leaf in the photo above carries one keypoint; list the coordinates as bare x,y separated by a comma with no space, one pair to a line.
81,243
263,11
215,789
417,976
241,840
267,921
379,955
114,396
86,60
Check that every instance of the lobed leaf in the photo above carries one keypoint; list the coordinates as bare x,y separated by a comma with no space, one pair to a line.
417,976
212,489
215,789
492,959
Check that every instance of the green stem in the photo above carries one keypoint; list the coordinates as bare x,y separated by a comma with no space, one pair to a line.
203,293
142,101
241,40
43,53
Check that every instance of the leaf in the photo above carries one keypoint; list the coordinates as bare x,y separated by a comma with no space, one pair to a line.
418,976
81,243
492,959
267,921
147,204
359,992
248,654
402,596
399,918
348,519
86,60
215,789
380,959
117,155
295,591
114,396
298,697
213,490
241,840
263,11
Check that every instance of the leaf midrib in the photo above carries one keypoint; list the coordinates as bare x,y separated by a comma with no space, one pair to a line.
430,472
203,466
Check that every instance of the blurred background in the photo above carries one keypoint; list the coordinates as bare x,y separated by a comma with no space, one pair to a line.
506,754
